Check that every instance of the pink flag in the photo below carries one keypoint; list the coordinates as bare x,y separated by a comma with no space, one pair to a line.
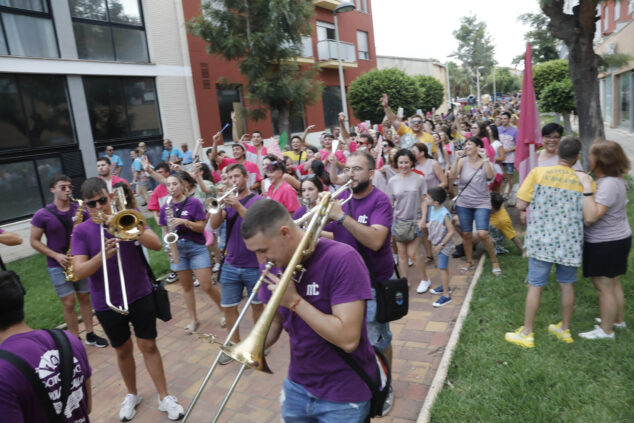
529,135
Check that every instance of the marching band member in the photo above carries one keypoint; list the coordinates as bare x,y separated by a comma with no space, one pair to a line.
86,251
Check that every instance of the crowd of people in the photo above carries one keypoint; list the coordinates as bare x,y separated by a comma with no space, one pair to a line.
441,181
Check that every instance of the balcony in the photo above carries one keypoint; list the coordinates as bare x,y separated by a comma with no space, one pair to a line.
327,54
327,4
307,56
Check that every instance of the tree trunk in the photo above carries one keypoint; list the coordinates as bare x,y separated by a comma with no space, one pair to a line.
567,126
558,118
284,120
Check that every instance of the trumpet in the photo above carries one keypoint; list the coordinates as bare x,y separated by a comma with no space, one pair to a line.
250,351
343,188
126,225
215,205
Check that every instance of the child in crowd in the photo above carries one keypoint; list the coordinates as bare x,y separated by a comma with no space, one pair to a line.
441,232
500,225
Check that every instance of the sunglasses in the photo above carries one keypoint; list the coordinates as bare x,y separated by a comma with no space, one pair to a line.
417,122
93,203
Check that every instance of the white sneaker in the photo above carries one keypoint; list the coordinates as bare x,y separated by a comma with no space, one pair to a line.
389,401
395,256
621,325
410,263
196,283
128,407
216,268
597,333
170,405
423,286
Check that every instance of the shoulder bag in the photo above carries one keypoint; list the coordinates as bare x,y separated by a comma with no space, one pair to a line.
454,201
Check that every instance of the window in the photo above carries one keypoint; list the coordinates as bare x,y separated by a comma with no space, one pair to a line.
109,30
26,29
625,96
617,10
365,6
331,98
630,7
362,45
35,112
606,16
228,95
325,31
608,99
122,108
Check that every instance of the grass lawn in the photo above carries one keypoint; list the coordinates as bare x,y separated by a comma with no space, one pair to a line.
42,308
490,380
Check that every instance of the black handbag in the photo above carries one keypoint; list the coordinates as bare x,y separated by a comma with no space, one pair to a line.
161,297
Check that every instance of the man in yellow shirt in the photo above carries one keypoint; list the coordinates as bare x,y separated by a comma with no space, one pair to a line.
416,129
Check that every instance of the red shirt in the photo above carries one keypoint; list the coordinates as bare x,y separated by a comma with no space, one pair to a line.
252,170
285,195
160,192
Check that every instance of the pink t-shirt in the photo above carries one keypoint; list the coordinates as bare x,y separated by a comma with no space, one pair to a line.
252,153
252,170
284,194
158,198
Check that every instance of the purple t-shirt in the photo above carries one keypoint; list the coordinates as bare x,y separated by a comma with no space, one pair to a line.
193,211
508,137
238,254
87,242
18,400
373,209
298,213
335,274
57,236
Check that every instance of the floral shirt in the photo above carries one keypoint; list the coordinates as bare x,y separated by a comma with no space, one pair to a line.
555,225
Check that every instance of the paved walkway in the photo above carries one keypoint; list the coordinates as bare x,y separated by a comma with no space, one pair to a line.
419,342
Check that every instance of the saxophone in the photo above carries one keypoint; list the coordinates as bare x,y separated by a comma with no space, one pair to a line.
69,270
171,237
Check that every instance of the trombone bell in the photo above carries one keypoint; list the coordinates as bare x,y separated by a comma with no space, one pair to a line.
250,352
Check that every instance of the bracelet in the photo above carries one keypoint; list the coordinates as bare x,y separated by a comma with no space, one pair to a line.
292,308
588,194
341,219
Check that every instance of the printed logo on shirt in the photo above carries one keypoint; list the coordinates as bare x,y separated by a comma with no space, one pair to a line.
312,289
363,219
48,370
185,213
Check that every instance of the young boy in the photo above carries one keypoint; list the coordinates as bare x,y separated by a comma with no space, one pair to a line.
441,232
501,221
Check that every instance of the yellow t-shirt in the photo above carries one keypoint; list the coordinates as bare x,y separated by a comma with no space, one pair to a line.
295,157
424,137
501,220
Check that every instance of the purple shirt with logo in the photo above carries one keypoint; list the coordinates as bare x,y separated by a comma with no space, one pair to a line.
508,137
56,234
373,209
193,211
87,242
238,254
335,274
18,400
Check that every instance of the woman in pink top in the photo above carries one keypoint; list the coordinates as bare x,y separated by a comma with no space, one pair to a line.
279,190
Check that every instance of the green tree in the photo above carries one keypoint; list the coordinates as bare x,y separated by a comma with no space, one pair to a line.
365,93
577,31
548,72
263,37
543,44
475,48
559,97
459,80
505,82
433,92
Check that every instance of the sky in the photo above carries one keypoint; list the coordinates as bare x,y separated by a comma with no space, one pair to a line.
423,29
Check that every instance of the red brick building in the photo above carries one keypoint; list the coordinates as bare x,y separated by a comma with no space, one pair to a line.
218,83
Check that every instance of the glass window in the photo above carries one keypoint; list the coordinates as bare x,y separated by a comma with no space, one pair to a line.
617,10
362,45
29,35
331,98
89,9
34,5
365,6
93,41
121,108
607,89
227,95
625,98
47,168
35,113
3,43
130,45
125,11
19,190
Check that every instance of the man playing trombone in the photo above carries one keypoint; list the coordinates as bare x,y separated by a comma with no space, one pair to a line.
87,256
323,304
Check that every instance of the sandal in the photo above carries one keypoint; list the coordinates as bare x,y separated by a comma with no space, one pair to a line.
192,327
496,270
467,266
429,260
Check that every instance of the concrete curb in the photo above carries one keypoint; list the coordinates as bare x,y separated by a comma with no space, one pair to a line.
441,374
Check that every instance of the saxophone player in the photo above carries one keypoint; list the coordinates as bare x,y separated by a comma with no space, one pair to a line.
56,222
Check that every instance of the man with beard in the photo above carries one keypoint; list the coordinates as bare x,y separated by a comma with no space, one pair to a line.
105,172
365,222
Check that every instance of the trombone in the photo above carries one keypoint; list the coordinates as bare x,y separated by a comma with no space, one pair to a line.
250,351
126,225
215,205
343,188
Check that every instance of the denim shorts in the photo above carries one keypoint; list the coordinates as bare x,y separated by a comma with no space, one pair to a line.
233,280
191,256
379,334
539,271
508,167
222,236
467,215
300,406
443,261
65,288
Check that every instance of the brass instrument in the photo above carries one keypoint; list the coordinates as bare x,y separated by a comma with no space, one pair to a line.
171,237
345,187
250,351
69,270
216,205
126,225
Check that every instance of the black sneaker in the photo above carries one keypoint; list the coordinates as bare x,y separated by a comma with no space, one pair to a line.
97,341
171,278
459,252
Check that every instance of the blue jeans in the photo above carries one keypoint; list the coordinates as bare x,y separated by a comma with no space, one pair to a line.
467,215
300,406
233,280
443,261
539,271
64,288
191,256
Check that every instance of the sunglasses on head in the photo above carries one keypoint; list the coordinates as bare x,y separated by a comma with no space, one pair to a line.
93,203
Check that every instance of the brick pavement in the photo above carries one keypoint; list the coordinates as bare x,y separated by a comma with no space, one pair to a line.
418,345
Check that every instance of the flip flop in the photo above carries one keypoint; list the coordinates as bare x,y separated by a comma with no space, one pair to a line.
192,327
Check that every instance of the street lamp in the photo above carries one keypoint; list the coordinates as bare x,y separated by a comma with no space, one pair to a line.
342,8
478,83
